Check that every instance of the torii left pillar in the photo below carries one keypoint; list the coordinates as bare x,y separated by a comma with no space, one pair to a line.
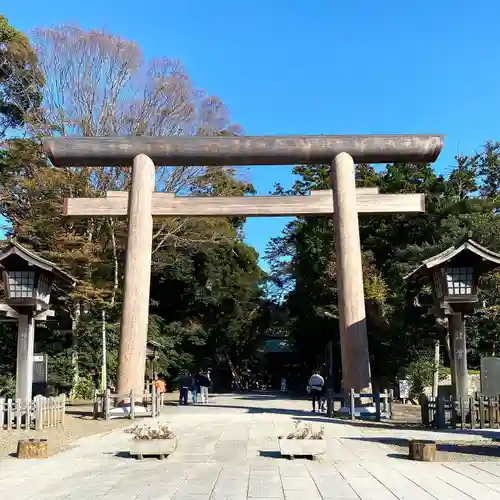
351,301
135,312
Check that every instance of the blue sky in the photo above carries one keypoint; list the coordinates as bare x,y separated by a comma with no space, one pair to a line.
318,67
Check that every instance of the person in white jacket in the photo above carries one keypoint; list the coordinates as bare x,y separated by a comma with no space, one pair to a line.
316,384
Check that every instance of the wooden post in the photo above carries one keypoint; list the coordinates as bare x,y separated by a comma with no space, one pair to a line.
459,344
96,404
435,377
472,406
440,413
32,448
424,410
461,403
153,400
424,451
481,411
132,405
329,391
62,397
25,353
377,407
352,404
106,404
351,301
135,312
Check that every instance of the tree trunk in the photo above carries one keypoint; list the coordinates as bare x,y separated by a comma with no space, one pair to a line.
234,373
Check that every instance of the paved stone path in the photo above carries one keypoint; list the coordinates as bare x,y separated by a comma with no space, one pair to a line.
229,451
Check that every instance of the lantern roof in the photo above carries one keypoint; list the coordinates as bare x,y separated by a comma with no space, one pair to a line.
153,343
484,256
13,248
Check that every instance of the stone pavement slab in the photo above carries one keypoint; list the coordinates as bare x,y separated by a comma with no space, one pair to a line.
231,452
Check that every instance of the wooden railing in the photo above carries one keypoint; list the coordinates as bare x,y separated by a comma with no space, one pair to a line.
382,400
39,413
103,403
477,411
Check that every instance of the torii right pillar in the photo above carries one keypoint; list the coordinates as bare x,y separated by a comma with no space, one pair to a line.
356,372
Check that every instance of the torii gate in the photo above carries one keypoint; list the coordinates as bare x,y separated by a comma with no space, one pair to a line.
344,201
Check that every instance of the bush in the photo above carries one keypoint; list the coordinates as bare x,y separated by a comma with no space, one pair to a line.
85,388
420,372
7,386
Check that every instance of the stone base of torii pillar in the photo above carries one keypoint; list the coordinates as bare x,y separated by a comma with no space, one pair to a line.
25,347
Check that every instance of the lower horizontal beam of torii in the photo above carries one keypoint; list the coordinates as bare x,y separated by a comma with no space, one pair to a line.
318,203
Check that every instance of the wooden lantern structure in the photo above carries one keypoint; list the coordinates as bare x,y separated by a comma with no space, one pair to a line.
28,281
454,275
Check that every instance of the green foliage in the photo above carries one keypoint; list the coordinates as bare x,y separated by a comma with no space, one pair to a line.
20,80
84,388
420,372
7,386
60,372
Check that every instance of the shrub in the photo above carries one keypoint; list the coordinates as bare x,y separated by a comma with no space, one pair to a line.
7,386
85,388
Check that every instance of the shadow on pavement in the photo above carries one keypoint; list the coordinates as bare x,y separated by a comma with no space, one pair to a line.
265,396
445,450
367,424
270,454
257,409
80,413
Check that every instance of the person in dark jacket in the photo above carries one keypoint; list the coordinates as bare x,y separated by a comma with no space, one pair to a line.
203,381
185,383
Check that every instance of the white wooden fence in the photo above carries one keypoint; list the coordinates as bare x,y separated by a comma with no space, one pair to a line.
39,413
103,403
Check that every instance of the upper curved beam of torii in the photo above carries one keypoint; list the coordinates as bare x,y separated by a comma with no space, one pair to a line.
241,150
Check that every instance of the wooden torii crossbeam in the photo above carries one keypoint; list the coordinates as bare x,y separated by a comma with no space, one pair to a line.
345,202
317,203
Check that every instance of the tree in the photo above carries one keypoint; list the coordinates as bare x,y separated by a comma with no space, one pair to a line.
99,84
20,79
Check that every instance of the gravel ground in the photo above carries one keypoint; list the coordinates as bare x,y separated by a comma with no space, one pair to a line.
78,424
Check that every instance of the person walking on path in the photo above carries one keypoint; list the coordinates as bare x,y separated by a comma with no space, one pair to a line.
316,384
194,390
204,382
185,383
160,385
